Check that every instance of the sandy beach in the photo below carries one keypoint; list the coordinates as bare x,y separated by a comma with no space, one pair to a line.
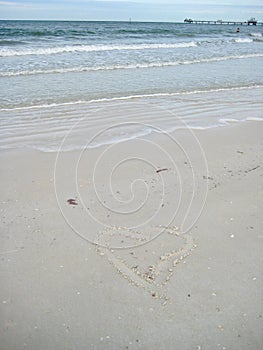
76,274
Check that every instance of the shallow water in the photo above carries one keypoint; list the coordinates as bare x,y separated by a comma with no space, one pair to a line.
54,74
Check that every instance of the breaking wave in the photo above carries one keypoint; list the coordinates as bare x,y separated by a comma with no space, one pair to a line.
128,66
92,48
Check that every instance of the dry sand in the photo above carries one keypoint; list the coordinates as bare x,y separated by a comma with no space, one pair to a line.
198,285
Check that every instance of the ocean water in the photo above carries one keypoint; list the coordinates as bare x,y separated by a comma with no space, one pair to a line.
58,76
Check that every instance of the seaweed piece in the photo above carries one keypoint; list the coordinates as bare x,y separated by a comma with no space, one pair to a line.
72,201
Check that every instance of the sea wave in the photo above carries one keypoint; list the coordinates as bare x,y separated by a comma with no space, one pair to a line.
92,48
20,32
243,40
128,66
256,34
131,97
10,42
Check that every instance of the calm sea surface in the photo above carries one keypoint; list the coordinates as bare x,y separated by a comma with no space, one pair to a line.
52,73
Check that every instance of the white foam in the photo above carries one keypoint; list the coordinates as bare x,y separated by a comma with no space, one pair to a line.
256,34
228,120
255,119
92,48
243,40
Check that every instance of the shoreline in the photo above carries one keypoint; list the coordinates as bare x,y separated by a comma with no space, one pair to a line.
143,96
98,123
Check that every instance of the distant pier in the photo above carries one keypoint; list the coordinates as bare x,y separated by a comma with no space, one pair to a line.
250,21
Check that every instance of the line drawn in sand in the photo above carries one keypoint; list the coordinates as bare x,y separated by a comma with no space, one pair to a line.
149,266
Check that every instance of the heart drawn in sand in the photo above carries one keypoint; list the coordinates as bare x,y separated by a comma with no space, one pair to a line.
149,265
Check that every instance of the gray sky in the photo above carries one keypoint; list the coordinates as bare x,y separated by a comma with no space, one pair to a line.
137,10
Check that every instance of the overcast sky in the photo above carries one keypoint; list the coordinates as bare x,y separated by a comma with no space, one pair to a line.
137,10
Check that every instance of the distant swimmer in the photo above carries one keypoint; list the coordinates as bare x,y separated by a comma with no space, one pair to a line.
238,30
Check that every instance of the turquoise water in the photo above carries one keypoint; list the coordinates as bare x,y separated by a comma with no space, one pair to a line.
59,64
